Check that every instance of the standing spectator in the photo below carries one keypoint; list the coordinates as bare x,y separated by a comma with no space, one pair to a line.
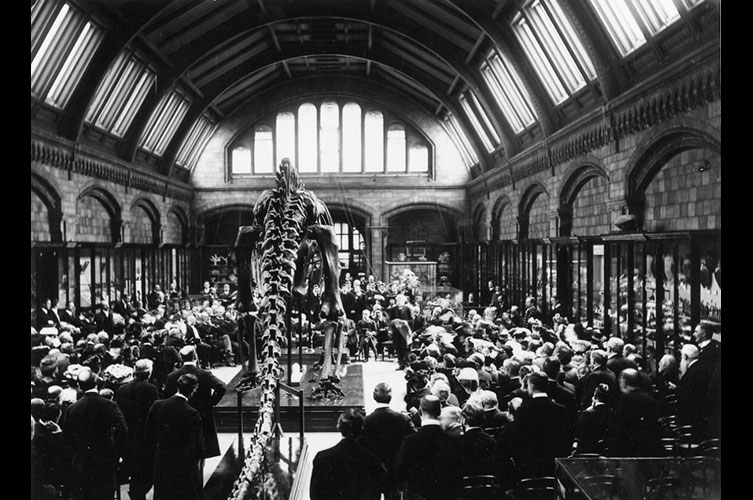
346,471
210,391
595,422
544,430
616,361
135,399
366,335
426,465
383,432
532,312
598,374
558,392
174,434
95,431
636,431
692,389
477,448
155,298
709,349
401,328
53,452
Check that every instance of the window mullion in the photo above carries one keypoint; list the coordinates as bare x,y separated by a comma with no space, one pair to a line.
548,56
644,29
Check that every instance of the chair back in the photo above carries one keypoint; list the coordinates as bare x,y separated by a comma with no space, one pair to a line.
480,487
536,488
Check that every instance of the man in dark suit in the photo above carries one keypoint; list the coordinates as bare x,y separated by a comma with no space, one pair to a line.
544,430
383,433
96,431
558,392
494,418
595,422
477,448
46,314
598,374
426,465
401,328
636,431
135,399
616,361
346,471
174,433
692,389
710,351
210,391
68,315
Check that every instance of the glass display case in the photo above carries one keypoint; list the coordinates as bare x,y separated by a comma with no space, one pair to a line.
426,272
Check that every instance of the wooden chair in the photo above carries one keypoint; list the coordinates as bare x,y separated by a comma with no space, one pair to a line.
711,448
536,488
480,487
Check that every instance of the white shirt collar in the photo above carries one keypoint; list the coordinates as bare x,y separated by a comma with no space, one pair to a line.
190,363
93,390
429,421
180,396
540,395
381,405
704,343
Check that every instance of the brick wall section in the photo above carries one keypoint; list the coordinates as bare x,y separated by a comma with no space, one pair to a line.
668,206
682,198
141,227
40,222
538,218
171,230
508,225
589,217
92,222
90,227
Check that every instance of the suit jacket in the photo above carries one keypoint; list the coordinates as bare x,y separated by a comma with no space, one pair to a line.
587,385
54,456
564,396
618,363
383,433
209,393
692,392
96,432
710,356
479,453
544,434
135,399
427,464
594,424
636,431
67,317
345,472
174,434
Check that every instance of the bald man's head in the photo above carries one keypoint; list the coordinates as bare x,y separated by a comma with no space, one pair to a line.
87,379
383,393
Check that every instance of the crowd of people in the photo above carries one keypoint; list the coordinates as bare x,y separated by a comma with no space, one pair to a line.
497,390
505,391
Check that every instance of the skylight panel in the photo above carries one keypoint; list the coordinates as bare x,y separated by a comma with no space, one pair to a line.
509,92
620,24
194,143
75,64
656,14
538,59
163,123
461,141
476,124
485,118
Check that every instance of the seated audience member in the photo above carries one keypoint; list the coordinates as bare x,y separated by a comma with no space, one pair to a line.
346,471
494,418
441,389
595,422
468,384
426,465
451,420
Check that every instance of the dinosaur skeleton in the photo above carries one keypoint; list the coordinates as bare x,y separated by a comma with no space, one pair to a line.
291,227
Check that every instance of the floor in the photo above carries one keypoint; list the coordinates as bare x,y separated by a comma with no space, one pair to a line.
374,372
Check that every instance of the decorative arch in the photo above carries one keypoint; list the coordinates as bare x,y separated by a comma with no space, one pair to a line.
182,217
655,151
112,207
154,216
575,178
480,223
499,207
449,216
456,213
218,225
530,195
52,201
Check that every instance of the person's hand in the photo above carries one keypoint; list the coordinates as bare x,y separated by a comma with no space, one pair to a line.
671,385
51,426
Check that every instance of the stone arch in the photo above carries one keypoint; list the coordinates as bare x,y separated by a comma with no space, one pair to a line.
575,178
52,202
153,213
111,205
530,195
182,218
480,227
218,224
448,217
655,151
503,202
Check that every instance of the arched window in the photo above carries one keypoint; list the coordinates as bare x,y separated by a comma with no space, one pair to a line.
374,141
418,159
263,151
396,148
285,137
329,138
351,137
351,248
307,135
241,161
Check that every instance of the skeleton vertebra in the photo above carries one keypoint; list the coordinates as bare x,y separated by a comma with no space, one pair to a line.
290,226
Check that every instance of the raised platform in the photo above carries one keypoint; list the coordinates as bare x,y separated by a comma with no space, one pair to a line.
320,415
